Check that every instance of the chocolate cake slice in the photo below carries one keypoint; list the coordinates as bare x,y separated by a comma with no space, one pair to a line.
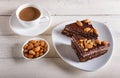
83,28
87,49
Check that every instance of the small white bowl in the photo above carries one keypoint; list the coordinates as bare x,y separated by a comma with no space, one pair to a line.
48,48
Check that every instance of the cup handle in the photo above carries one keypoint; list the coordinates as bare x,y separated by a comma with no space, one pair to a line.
43,19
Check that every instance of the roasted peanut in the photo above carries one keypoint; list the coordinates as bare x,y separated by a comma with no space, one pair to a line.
25,54
87,29
87,21
30,46
82,45
25,46
36,44
85,41
79,23
45,46
42,43
105,43
91,43
32,52
37,48
32,41
30,56
41,53
91,31
95,31
97,41
34,48
41,50
94,44
37,54
85,49
45,49
89,46
25,50
81,40
88,41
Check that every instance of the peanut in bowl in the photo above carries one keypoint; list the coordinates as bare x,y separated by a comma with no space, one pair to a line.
35,48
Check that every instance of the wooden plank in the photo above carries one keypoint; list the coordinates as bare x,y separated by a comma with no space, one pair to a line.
65,7
55,68
111,21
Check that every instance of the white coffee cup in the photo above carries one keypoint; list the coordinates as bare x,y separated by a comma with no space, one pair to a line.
31,23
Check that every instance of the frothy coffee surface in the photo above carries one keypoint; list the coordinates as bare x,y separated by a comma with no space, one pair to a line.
29,14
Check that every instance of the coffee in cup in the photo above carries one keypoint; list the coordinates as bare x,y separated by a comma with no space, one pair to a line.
30,15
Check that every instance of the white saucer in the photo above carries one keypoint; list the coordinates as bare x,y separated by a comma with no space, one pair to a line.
32,31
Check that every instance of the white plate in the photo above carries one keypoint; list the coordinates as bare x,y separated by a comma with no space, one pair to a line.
62,45
32,31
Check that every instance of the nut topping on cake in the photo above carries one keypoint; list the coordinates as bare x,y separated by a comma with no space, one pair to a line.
85,49
81,44
95,31
87,21
87,44
105,43
79,23
87,29
97,41
91,31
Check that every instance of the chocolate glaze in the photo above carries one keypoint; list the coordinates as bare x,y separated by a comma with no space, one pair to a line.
73,28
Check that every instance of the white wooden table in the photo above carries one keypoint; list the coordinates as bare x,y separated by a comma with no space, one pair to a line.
13,65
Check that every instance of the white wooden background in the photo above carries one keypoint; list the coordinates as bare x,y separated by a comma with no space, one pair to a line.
12,65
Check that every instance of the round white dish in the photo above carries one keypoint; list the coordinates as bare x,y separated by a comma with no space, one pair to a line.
31,31
63,47
37,57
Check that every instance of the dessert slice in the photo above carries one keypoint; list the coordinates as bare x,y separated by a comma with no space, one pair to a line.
83,28
87,49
